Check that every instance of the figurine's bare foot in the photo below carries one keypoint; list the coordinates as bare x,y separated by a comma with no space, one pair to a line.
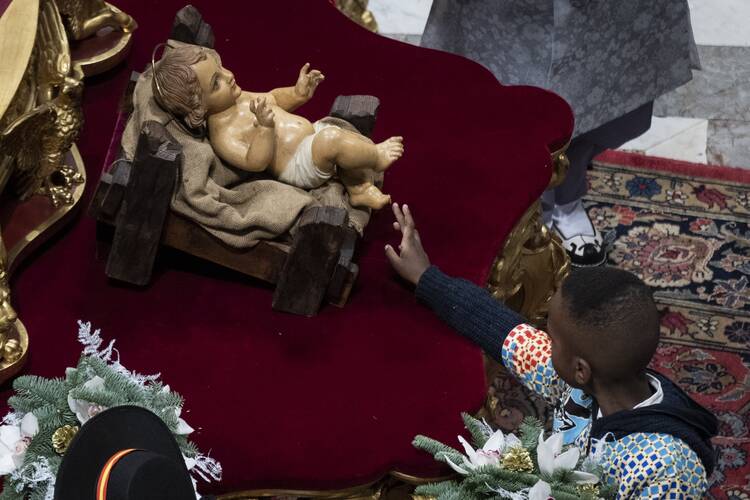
389,151
371,197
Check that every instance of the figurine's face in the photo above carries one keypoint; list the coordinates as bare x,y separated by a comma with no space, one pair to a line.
220,91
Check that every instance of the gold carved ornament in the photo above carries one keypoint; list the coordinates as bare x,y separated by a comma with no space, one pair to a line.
40,118
356,10
84,18
38,140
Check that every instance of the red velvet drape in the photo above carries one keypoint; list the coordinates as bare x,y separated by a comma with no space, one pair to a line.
335,400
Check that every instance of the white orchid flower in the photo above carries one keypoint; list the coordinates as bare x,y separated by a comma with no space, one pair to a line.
182,427
489,454
84,410
551,459
14,440
540,491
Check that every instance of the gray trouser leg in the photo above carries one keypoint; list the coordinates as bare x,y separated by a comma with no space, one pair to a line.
585,147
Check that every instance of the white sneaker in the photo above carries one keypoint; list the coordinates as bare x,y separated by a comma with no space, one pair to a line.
582,241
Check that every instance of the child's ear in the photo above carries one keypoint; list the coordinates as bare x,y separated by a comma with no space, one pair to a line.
582,372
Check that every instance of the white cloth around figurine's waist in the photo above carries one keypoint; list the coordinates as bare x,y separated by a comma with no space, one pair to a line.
301,171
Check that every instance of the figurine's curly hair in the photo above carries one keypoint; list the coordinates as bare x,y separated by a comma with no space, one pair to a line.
175,85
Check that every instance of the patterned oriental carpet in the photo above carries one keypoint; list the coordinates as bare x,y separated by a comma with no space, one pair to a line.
683,229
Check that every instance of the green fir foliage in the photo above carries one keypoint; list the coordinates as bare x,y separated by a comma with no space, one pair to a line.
529,432
479,431
438,450
47,399
489,481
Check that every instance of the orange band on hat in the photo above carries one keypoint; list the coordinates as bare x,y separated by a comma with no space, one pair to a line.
101,485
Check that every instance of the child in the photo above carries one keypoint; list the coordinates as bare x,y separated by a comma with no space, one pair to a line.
258,131
591,365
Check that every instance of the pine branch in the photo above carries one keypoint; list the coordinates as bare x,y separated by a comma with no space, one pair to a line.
106,397
27,403
529,431
561,495
441,452
9,491
37,494
436,489
113,380
34,392
479,484
479,431
496,475
432,446
453,494
50,390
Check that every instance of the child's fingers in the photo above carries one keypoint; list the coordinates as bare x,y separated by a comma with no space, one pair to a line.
399,215
408,219
397,226
392,256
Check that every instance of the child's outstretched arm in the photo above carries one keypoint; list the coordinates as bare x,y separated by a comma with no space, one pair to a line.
469,309
464,306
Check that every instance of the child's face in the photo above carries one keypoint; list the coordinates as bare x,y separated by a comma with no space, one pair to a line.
561,331
220,91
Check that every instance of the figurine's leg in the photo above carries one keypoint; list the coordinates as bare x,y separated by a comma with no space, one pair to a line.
333,146
362,192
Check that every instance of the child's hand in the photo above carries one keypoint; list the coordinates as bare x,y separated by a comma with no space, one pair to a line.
412,261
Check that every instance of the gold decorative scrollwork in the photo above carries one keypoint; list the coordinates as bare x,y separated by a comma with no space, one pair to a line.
13,339
84,18
560,164
356,10
38,139
531,267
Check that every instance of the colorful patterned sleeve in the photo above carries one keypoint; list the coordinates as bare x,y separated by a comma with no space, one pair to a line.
527,353
646,465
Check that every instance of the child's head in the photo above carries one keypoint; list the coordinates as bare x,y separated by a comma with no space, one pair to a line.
190,83
604,326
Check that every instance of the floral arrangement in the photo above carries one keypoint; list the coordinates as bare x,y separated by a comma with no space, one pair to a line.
47,413
503,466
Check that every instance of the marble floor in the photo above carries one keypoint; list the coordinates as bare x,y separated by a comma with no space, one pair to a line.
705,121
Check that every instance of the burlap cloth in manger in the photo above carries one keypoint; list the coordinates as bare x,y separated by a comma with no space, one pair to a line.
240,208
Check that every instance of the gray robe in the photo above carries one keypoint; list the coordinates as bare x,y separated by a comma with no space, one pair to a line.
605,57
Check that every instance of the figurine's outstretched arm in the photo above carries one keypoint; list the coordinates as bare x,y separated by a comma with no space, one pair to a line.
291,98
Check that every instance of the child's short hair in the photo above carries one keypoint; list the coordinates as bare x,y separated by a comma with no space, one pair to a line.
615,312
175,85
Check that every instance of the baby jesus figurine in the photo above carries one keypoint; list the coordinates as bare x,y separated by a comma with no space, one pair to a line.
257,131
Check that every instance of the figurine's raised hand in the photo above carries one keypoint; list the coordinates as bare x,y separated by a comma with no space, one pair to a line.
308,81
412,261
262,111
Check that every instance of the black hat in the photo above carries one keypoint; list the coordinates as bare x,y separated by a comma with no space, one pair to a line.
131,452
